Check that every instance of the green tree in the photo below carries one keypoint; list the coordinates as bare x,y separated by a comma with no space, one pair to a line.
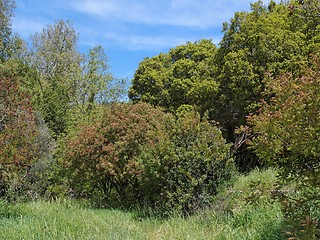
6,12
67,83
255,43
58,65
95,86
185,75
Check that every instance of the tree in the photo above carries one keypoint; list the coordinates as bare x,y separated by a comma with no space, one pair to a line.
103,155
254,43
185,75
67,83
96,78
58,64
18,129
6,13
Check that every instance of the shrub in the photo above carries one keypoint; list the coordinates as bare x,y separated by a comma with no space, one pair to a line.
287,136
188,165
103,155
140,154
18,131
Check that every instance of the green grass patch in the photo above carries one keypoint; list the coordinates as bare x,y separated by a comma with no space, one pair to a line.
230,217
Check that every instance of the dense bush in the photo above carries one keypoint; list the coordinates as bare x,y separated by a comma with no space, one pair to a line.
18,131
138,153
187,166
103,155
287,133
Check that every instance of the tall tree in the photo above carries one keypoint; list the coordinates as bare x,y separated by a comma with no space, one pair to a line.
254,43
96,77
66,82
6,13
55,57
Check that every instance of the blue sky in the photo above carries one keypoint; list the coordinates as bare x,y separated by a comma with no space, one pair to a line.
130,30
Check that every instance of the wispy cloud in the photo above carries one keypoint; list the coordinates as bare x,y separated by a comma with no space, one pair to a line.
117,14
130,30
27,26
144,42
187,13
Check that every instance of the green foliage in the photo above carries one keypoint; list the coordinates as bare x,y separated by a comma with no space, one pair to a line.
18,129
64,83
254,43
187,166
143,155
135,153
185,75
97,84
58,69
287,136
229,81
73,220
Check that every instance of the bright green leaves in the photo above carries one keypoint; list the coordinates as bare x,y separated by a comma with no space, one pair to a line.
96,77
173,79
150,83
68,83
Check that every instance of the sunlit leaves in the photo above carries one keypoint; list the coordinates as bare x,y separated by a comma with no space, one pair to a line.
171,80
289,124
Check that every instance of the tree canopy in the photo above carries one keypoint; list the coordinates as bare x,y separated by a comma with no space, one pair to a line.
185,75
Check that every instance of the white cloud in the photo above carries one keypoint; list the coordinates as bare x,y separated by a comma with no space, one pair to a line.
144,42
115,16
187,13
25,26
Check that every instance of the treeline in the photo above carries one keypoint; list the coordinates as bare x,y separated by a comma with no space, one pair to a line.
196,115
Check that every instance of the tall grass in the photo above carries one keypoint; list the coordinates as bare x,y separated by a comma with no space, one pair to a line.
229,218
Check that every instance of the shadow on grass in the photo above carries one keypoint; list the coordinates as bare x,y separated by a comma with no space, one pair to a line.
10,211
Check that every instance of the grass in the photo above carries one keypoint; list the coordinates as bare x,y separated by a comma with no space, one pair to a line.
229,218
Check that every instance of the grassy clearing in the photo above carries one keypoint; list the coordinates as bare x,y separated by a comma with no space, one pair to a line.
230,218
